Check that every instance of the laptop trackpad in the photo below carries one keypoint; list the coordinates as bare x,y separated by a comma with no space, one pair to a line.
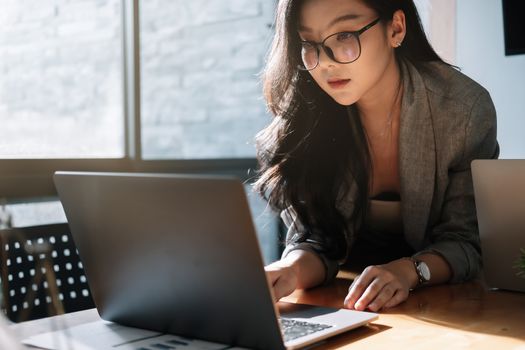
292,310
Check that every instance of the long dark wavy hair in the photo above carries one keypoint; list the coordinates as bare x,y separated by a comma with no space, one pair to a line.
311,151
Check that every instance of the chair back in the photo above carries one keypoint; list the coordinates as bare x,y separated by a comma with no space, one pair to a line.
41,272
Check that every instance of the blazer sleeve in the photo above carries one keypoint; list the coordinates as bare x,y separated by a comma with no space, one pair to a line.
295,240
456,236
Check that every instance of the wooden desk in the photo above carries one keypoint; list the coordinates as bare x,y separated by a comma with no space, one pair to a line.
466,316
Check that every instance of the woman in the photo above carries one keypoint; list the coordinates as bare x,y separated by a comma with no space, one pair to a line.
368,155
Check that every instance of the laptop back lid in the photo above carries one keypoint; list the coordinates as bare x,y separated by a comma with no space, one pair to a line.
499,188
172,253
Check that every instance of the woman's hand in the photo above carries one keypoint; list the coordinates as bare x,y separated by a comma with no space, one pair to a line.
382,286
283,278
300,269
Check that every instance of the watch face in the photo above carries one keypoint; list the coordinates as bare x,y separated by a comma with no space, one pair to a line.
425,271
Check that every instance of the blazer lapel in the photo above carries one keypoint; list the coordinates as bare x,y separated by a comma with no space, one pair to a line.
417,156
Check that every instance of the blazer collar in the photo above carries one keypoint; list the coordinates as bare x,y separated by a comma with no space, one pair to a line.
417,156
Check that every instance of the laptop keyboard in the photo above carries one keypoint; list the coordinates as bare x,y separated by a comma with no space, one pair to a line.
293,329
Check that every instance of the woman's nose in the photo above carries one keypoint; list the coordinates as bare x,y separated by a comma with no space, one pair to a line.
324,59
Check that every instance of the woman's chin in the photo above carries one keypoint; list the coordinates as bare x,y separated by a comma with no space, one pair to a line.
345,100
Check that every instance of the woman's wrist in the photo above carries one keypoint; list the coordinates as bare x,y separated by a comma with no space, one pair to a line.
303,260
439,267
404,268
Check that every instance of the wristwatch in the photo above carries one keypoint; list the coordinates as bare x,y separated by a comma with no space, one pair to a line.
422,270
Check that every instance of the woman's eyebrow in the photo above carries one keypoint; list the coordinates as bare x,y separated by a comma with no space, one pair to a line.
347,17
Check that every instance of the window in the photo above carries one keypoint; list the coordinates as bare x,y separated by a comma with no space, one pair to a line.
61,85
113,85
200,90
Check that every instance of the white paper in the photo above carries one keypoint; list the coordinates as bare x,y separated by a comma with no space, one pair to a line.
7,340
104,335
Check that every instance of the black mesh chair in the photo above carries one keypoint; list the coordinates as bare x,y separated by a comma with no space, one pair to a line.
41,273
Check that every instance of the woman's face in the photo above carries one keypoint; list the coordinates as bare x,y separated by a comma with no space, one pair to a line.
346,83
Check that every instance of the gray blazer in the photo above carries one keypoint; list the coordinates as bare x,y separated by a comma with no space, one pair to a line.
447,120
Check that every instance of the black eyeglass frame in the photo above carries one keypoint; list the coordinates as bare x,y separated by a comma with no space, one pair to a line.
329,51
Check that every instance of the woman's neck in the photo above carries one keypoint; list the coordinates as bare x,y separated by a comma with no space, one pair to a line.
382,101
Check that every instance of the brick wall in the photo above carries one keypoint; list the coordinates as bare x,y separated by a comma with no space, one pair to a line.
201,95
61,78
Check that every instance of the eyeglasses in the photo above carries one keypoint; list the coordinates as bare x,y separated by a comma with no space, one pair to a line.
342,47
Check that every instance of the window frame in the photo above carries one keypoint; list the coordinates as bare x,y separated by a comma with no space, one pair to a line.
33,178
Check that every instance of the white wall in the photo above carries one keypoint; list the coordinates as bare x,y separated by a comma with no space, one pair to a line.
439,20
469,34
480,53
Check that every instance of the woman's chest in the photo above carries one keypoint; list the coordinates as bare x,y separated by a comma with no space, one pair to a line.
385,167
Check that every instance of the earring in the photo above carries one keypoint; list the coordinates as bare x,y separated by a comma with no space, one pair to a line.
398,44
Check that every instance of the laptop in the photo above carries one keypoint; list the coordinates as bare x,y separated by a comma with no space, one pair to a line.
179,254
499,189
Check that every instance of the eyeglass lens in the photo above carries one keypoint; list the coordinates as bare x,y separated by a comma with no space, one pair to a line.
341,47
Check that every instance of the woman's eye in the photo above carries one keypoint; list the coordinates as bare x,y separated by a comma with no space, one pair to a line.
344,36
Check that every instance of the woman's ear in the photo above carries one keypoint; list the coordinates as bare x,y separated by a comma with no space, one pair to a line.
397,30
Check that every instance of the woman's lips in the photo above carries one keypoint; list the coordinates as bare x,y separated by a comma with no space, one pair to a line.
338,83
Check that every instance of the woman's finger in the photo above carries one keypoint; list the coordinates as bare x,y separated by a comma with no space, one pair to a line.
371,292
282,280
359,286
384,296
399,296
283,286
273,275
